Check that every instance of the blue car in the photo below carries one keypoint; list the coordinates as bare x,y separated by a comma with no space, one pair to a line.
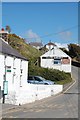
39,80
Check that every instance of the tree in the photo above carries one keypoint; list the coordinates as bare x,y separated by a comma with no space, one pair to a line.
74,51
8,28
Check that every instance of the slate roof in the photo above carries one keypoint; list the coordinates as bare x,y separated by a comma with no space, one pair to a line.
7,49
50,43
36,44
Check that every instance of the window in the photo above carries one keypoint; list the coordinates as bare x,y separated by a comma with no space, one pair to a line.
38,79
30,78
4,60
20,64
20,80
47,57
14,63
57,61
13,80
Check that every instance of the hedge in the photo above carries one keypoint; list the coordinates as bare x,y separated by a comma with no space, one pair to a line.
49,74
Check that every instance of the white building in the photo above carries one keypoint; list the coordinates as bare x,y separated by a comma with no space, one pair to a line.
50,45
55,58
36,45
4,34
13,70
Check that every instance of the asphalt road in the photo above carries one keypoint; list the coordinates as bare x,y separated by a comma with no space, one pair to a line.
64,105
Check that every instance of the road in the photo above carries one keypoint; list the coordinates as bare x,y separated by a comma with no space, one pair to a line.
64,105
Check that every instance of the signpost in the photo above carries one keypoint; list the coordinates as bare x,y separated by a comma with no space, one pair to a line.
5,87
5,90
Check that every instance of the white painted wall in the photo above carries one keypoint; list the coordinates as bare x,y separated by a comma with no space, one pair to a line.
2,70
49,46
48,63
33,92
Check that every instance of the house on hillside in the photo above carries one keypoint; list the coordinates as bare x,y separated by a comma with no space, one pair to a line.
13,72
55,58
50,45
4,34
36,45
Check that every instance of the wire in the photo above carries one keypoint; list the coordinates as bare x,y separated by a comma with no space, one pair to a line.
55,33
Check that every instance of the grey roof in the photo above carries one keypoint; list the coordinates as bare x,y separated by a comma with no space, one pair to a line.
50,43
36,44
7,49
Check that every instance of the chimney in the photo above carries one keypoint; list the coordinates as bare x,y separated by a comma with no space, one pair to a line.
2,29
4,35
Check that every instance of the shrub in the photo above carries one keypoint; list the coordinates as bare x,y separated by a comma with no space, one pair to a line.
49,74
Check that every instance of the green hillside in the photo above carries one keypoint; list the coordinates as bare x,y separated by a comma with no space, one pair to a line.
25,49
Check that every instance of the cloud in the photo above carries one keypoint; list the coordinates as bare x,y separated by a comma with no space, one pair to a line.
65,35
33,36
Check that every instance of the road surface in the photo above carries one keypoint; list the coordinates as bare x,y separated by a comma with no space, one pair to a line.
64,105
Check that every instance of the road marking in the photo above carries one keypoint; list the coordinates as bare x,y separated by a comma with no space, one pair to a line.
6,109
11,111
28,110
69,87
10,116
66,113
38,111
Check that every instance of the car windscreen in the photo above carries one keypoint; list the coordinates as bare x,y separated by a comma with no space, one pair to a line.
41,78
30,78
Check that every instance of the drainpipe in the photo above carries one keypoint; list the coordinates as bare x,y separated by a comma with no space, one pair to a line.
4,80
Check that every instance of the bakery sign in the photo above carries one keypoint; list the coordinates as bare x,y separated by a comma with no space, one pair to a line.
65,61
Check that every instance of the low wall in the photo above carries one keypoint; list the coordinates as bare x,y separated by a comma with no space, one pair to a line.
32,93
75,63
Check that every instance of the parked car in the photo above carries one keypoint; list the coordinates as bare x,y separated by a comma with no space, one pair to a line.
39,80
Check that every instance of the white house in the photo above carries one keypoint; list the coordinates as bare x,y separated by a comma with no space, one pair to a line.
55,58
50,45
36,45
4,34
13,70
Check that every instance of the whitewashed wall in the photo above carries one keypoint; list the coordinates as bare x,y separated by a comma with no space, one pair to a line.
48,63
49,46
2,70
32,93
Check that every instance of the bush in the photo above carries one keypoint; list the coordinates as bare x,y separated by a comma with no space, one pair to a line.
49,74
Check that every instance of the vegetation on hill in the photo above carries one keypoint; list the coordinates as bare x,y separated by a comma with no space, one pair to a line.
74,51
50,74
25,49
